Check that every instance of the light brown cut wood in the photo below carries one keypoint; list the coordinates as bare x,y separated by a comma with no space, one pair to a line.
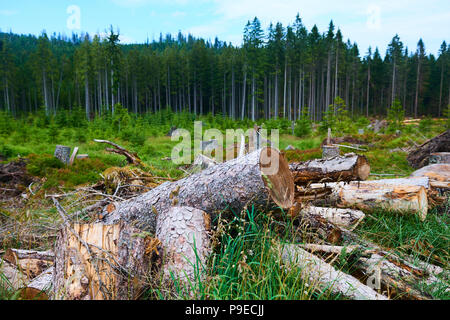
438,174
184,236
39,288
317,273
228,186
101,262
343,168
30,262
391,194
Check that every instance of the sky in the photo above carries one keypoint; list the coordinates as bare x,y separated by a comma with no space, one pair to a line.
368,23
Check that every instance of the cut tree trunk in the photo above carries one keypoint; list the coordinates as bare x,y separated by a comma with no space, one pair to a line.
419,157
346,168
184,236
438,174
390,194
30,262
340,217
101,262
261,178
324,276
40,287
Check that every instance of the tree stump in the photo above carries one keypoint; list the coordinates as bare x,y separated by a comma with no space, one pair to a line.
62,153
102,262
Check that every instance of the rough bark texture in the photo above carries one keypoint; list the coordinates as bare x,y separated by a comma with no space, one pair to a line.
62,153
346,168
101,262
390,275
329,151
318,273
340,217
184,235
29,262
230,185
419,157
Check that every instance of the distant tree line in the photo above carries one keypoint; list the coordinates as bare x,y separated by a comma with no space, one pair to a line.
286,72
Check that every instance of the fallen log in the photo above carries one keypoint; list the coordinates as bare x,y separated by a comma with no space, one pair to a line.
342,168
373,266
30,262
340,217
419,157
101,262
318,273
40,287
438,174
261,178
391,194
184,236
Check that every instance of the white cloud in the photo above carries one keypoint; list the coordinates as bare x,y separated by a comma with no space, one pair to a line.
8,12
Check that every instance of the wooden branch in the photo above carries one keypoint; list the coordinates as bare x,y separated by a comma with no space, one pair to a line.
317,272
30,262
132,157
340,217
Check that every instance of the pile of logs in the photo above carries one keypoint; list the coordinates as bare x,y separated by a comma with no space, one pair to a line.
166,231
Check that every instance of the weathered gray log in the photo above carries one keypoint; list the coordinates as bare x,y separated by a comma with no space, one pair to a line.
341,168
329,151
62,153
40,287
341,217
101,262
184,236
30,262
324,276
261,178
12,278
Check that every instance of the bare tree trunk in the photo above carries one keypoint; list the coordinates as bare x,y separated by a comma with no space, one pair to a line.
232,185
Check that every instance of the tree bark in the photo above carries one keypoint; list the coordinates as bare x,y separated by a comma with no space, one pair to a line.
231,185
184,235
418,158
101,262
345,168
324,276
40,287
340,217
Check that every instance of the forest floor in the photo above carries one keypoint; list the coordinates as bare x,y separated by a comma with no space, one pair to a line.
241,266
